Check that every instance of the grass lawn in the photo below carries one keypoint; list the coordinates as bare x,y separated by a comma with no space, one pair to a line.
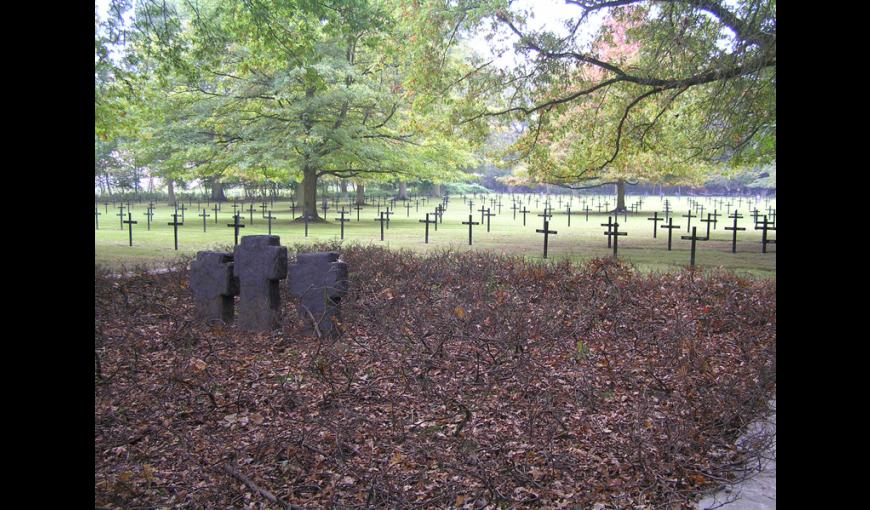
581,241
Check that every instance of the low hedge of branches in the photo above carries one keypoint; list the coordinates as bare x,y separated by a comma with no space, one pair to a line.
458,380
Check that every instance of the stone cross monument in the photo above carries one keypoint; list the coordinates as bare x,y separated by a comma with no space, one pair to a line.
319,280
260,262
213,286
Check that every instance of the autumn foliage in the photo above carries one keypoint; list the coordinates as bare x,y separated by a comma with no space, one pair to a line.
461,380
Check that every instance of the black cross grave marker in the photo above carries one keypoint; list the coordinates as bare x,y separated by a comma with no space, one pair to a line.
236,226
546,231
382,220
655,219
175,225
690,216
269,218
427,222
715,216
488,216
204,216
342,212
121,215
149,213
182,209
130,224
694,238
609,226
568,208
251,212
615,233
470,223
515,208
525,211
97,214
216,209
735,229
765,226
708,221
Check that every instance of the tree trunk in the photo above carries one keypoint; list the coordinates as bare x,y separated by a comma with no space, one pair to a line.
403,191
217,191
620,196
344,190
108,185
436,190
171,185
360,194
309,193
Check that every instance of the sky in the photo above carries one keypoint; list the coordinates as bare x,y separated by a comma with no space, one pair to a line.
549,14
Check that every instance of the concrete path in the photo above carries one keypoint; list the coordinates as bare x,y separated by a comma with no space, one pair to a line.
758,492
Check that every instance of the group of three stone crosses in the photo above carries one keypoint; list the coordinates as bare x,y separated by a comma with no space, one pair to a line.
253,271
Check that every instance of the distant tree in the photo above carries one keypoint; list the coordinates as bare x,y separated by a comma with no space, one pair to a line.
664,89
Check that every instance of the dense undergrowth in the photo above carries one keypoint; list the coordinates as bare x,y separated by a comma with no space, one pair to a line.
460,380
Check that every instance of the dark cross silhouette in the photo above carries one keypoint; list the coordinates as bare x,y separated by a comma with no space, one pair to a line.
609,226
546,231
547,215
488,216
615,233
471,206
130,224
382,220
427,222
175,225
715,216
470,223
755,212
499,205
708,221
515,208
735,229
765,226
149,213
407,209
481,211
599,206
525,211
236,226
690,216
586,209
269,218
358,209
389,213
97,214
121,215
263,208
667,209
342,212
655,219
216,209
568,208
182,209
107,207
325,207
694,238
251,212
204,216
235,208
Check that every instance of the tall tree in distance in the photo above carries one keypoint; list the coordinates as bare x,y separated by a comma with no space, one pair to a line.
664,90
310,89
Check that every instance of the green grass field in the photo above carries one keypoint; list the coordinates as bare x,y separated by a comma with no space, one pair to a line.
581,241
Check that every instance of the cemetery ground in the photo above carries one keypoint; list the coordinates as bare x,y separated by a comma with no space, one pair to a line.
461,379
581,241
